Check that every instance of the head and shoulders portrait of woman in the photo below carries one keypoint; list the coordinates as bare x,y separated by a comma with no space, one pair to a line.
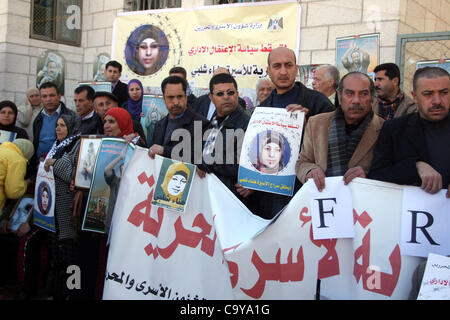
147,50
272,152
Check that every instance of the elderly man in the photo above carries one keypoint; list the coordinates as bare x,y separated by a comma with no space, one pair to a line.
326,80
264,88
414,149
391,101
230,117
91,123
341,143
180,116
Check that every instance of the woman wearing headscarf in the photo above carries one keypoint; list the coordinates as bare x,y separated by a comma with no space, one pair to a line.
175,180
135,97
270,151
63,157
8,116
28,112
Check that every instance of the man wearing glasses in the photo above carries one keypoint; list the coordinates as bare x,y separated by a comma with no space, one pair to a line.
222,148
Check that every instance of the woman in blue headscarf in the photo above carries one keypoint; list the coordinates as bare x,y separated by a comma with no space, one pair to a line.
135,97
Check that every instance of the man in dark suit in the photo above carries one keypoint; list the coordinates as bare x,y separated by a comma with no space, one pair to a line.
180,122
203,104
113,72
91,123
413,149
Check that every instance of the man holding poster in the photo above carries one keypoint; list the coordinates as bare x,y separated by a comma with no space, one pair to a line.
341,143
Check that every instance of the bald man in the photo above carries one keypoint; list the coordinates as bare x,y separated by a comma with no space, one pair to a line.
203,104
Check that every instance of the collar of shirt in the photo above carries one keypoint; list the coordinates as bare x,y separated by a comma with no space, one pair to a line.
90,115
58,111
113,85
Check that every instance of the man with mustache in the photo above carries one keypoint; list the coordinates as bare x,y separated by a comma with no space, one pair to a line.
341,143
414,149
391,101
180,116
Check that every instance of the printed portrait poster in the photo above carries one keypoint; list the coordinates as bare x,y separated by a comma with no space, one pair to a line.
238,37
108,170
306,74
443,63
44,199
154,109
22,212
358,53
98,86
173,185
98,71
7,136
270,150
86,161
51,68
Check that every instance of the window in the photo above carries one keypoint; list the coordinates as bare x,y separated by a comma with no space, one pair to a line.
137,5
56,20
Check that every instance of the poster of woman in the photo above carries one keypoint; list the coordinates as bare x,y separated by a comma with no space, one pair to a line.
44,199
153,109
50,68
113,156
270,150
86,161
173,186
146,50
21,213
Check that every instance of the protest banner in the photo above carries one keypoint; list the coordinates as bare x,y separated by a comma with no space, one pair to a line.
44,199
202,39
217,249
270,150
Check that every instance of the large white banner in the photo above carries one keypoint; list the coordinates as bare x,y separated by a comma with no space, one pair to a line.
217,249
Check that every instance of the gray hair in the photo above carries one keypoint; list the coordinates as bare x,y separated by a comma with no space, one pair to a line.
260,81
331,73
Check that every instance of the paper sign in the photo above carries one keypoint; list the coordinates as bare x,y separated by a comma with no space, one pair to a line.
425,221
331,209
436,279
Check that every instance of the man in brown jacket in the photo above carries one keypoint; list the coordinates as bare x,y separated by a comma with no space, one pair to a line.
391,102
340,143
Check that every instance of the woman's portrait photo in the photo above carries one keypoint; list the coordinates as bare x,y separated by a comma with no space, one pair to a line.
173,185
269,152
44,198
146,50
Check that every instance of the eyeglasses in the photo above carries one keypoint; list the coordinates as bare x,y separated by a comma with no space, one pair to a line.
222,93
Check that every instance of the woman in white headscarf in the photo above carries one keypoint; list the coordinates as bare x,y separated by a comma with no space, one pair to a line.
29,111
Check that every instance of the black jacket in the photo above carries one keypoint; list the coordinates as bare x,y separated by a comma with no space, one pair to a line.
228,173
121,92
201,104
187,121
400,145
93,125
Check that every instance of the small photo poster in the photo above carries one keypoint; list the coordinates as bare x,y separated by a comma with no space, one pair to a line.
270,150
44,199
153,110
7,136
108,170
306,74
86,161
173,185
98,86
21,213
436,279
358,53
443,63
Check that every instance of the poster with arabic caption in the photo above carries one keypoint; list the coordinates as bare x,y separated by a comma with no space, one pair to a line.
238,37
425,222
44,199
173,185
167,255
436,279
111,161
97,86
270,150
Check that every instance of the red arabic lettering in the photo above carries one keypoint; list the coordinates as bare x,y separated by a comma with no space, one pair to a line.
442,282
234,273
191,238
388,282
276,271
303,217
328,265
364,218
